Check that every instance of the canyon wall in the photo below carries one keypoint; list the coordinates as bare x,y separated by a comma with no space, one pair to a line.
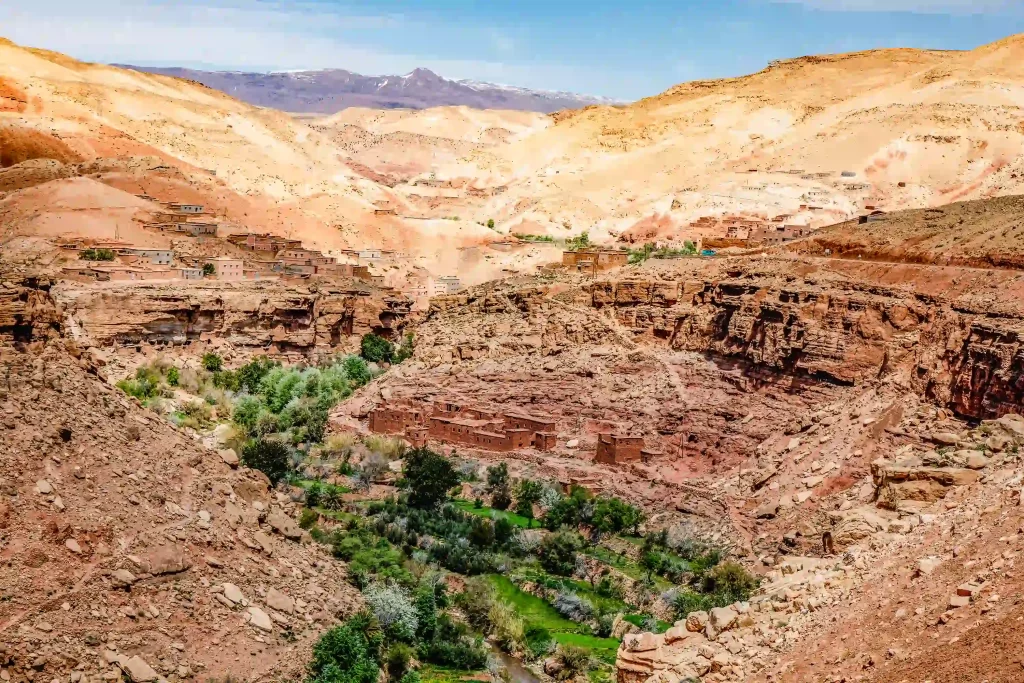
247,314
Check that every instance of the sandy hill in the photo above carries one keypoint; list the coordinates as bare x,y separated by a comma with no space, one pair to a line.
910,128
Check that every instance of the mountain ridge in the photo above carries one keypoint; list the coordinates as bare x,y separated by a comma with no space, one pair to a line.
327,91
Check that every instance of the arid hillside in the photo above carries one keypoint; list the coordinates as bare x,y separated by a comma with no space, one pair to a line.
815,138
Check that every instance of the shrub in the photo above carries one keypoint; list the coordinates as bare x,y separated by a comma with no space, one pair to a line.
370,470
575,662
570,511
356,369
173,376
209,269
476,602
270,457
308,519
376,349
346,654
527,494
490,223
612,515
394,610
96,255
212,362
482,533
397,662
199,411
506,627
405,348
557,552
572,606
429,476
314,494
390,447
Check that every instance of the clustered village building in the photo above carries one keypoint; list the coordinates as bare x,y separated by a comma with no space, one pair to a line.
503,432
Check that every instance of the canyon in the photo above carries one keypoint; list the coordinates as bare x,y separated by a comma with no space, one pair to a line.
840,412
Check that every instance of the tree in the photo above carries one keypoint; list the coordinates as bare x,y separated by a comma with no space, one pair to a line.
570,511
405,349
429,477
557,552
346,654
173,376
376,349
611,515
504,530
209,269
581,241
527,495
481,534
213,362
498,486
371,468
490,223
270,457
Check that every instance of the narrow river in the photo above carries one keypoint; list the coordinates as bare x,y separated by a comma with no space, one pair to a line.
516,670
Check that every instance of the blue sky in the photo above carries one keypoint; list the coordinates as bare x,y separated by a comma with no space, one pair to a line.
615,48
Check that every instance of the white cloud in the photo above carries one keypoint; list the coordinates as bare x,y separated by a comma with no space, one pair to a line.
252,35
918,6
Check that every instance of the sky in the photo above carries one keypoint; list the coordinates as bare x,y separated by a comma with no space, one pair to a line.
619,49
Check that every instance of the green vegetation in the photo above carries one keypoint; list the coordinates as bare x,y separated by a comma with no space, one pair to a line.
209,269
270,457
429,476
292,403
490,223
212,362
527,495
557,552
376,349
581,241
651,250
96,255
491,513
499,486
533,238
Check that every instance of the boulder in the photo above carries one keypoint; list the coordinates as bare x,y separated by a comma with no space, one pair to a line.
696,621
122,578
642,642
927,565
167,559
722,618
229,457
138,670
768,509
259,619
944,438
284,525
279,601
233,593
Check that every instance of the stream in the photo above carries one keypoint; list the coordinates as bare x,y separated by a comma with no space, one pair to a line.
516,670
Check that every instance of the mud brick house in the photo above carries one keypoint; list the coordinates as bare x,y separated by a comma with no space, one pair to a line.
593,261
615,449
454,423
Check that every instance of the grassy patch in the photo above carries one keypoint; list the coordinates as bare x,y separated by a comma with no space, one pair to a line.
467,506
638,621
532,609
431,673
603,648
624,565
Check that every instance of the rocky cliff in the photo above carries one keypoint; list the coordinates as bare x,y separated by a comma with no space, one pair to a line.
291,319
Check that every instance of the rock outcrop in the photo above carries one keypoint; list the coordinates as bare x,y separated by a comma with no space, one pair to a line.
292,319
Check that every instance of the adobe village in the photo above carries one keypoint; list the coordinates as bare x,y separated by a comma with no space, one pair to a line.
627,393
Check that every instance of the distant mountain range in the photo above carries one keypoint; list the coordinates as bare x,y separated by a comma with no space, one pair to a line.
331,90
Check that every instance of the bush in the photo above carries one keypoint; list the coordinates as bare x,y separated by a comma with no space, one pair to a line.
571,606
270,457
557,552
376,349
570,511
429,476
397,662
209,269
370,470
212,362
476,602
575,662
507,628
390,447
394,610
173,376
96,255
308,519
346,654
405,349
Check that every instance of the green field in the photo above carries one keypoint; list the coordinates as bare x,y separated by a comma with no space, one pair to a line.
491,513
430,673
533,610
603,648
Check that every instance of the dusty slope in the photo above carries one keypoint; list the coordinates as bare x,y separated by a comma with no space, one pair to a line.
119,534
944,123
259,169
